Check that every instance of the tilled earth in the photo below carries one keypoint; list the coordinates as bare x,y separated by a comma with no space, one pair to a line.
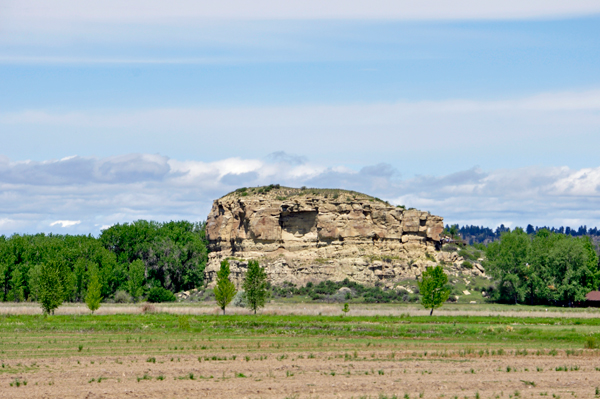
375,374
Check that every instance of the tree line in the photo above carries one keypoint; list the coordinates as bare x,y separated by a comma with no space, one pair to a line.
153,260
542,268
130,258
480,234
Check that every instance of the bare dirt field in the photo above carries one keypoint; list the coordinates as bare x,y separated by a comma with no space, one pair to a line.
174,352
374,371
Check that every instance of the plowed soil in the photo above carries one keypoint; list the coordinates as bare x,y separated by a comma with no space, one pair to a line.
290,374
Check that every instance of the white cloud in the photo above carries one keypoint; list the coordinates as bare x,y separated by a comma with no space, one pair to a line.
581,183
380,114
185,190
143,32
66,223
538,195
26,59
6,224
518,132
172,12
124,32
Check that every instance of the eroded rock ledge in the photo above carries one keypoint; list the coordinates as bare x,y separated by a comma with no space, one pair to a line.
303,235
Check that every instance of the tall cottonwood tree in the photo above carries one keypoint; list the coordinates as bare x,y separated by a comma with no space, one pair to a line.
3,268
94,294
50,287
16,293
433,288
507,262
255,285
135,284
225,289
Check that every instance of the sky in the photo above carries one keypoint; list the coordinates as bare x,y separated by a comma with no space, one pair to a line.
484,113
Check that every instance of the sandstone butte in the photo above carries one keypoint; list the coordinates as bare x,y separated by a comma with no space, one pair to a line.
312,235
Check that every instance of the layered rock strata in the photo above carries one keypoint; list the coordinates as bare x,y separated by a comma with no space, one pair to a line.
302,235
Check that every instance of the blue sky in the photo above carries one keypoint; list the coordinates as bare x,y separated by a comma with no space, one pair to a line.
481,112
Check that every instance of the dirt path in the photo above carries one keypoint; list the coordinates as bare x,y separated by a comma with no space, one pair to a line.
301,375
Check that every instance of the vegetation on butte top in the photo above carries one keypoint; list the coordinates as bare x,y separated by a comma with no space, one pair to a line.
281,193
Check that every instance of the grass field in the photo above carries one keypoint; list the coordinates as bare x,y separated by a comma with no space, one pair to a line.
170,355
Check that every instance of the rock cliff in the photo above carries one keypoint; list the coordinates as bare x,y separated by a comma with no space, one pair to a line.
303,235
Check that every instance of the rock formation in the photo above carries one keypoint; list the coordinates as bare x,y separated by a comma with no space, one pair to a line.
303,235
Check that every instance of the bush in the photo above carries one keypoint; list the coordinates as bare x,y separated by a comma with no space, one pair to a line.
286,290
467,265
122,297
590,343
465,254
328,291
449,248
183,322
148,308
159,294
239,300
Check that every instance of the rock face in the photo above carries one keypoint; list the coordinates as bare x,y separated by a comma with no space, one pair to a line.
303,235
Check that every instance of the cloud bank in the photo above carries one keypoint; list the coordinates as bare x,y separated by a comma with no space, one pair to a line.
84,195
188,32
420,136
147,11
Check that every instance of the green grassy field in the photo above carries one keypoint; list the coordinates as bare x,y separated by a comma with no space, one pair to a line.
168,333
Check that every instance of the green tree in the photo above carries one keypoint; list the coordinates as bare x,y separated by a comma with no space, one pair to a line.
548,268
433,289
224,290
160,294
94,291
452,231
174,253
255,285
34,282
569,261
16,293
592,264
135,285
539,276
3,269
507,262
50,288
346,308
79,273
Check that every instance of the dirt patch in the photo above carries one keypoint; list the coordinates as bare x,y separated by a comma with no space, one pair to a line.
289,374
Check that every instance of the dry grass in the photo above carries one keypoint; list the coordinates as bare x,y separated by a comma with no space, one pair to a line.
307,309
